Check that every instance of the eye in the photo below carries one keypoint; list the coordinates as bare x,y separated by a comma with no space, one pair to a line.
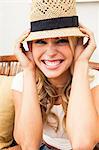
40,42
62,41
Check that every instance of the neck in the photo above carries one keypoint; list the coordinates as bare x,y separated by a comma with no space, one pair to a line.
61,81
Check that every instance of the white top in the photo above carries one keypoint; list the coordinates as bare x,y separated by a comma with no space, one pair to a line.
59,139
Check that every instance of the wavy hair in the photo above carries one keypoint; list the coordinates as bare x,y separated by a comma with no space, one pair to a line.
48,95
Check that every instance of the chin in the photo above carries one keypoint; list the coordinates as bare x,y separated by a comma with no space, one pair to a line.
52,75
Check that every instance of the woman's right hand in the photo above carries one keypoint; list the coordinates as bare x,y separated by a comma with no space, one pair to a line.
24,57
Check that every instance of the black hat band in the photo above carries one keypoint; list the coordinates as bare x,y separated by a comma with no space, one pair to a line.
54,23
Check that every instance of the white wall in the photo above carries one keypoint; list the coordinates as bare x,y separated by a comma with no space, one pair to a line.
89,16
14,19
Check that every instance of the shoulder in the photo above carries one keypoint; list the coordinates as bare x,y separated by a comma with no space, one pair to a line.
17,83
94,78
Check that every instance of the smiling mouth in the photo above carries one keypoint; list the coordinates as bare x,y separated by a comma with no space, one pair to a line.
52,63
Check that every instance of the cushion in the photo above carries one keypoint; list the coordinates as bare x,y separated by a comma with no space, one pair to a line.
6,111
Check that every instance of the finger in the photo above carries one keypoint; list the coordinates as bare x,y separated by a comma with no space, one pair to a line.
91,44
82,25
79,48
24,35
29,55
19,45
90,35
83,30
86,44
19,49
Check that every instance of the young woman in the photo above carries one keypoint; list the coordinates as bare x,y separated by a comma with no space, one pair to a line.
55,97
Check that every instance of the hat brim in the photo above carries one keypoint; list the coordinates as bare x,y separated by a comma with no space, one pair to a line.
63,32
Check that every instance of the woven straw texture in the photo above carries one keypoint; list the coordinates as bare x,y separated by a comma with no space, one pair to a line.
50,9
46,9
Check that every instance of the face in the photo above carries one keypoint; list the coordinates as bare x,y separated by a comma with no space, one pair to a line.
53,56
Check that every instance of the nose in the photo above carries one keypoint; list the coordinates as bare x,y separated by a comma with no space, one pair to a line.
51,50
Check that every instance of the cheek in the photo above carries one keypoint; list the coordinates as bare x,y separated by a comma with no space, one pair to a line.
69,53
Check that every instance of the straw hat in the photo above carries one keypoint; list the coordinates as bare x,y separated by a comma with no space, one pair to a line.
53,18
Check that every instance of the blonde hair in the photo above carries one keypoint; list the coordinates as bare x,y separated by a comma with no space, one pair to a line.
47,94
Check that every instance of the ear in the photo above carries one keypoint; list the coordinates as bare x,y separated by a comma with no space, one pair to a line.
29,45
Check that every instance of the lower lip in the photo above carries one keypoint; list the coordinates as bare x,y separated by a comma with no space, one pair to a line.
52,67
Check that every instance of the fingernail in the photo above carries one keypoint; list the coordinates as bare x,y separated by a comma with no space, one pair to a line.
86,35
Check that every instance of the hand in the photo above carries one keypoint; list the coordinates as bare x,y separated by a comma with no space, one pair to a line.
25,57
83,52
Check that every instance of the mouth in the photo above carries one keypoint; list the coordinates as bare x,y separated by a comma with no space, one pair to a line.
52,64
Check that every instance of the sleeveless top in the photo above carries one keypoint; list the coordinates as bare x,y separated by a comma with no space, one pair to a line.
57,139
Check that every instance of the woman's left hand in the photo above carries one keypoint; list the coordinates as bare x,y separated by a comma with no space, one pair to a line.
83,52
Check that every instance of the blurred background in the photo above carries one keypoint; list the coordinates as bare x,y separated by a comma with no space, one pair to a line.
14,20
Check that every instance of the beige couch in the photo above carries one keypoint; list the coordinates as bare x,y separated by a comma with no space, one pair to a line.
9,66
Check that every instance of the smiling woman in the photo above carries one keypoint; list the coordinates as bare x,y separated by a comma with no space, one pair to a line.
56,86
50,62
56,72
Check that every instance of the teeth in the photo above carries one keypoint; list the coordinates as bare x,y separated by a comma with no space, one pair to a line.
52,63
